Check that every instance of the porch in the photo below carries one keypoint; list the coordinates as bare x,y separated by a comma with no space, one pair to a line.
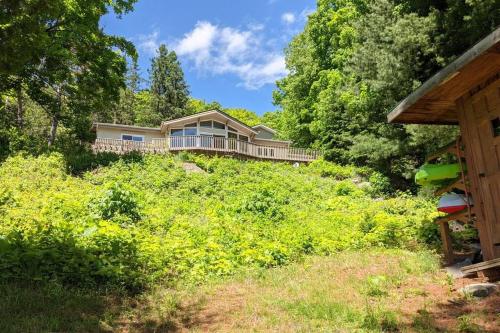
206,143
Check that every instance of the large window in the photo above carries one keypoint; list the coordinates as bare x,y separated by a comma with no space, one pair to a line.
176,132
183,132
218,125
132,137
190,131
206,124
212,124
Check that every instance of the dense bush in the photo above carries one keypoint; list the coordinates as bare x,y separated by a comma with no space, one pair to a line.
141,220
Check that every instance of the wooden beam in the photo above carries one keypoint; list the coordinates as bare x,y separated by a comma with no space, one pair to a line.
459,185
462,216
450,148
444,230
481,265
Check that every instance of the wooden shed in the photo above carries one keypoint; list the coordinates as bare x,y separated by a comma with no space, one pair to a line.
467,93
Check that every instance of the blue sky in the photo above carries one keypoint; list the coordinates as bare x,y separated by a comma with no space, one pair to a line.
231,51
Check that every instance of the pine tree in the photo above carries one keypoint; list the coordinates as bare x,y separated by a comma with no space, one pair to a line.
169,91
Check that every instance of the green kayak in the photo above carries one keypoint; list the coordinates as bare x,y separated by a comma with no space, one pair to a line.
436,174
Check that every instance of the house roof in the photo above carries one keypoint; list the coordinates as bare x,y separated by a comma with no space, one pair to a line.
265,128
195,116
434,101
95,125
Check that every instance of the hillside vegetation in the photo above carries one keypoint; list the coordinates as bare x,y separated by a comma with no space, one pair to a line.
143,220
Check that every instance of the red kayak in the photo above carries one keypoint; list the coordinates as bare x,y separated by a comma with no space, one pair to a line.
453,202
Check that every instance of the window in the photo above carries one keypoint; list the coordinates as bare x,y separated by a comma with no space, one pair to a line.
495,123
176,132
190,131
244,138
219,125
232,135
229,128
206,140
191,125
131,137
206,124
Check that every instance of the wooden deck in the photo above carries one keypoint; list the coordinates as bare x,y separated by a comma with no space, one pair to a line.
208,144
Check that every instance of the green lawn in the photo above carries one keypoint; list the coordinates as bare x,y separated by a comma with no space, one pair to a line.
354,291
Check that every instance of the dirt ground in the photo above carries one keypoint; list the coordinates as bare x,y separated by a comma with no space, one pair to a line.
445,311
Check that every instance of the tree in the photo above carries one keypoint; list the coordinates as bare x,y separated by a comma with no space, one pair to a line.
169,91
246,116
125,110
68,65
356,59
195,105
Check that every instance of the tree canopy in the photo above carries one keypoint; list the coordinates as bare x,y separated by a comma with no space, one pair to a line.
56,53
356,59
168,88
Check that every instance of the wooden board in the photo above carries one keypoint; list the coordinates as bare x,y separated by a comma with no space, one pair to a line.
448,149
445,232
462,216
481,266
459,184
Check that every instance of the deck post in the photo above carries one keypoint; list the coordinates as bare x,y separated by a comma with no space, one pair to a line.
444,230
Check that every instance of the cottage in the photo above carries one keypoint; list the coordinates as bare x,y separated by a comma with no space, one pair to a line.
467,93
211,131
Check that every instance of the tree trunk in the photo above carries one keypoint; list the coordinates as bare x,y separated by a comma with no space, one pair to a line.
54,121
20,106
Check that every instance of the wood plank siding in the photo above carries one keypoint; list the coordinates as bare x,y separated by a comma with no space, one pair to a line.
477,113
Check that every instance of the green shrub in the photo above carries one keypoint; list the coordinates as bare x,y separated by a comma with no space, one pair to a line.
143,219
116,201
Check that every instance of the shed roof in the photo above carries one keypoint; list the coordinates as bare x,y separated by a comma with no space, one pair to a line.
434,101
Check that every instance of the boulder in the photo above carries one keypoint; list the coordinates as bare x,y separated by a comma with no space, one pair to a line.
479,289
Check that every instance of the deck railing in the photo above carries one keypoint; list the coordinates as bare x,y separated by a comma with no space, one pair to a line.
206,143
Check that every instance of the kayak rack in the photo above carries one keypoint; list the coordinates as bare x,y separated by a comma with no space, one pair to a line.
465,216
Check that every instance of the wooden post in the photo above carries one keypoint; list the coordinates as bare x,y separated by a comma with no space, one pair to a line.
444,230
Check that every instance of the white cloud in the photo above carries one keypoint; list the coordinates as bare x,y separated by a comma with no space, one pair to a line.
225,50
288,18
149,43
304,14
198,42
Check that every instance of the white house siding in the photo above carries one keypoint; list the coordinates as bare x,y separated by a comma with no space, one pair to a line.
271,143
116,133
263,134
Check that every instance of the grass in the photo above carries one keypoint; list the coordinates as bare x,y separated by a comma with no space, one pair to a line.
353,291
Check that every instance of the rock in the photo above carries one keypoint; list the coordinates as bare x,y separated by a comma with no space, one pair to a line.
479,289
105,327
192,168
